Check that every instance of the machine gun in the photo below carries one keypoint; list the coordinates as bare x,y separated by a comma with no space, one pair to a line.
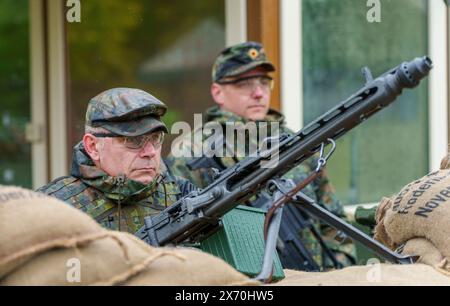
196,216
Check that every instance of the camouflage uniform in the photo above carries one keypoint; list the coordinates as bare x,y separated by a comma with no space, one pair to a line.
232,62
118,203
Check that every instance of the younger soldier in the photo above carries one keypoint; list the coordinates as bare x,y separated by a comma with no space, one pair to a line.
241,88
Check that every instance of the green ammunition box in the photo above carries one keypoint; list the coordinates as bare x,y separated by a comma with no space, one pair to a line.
240,242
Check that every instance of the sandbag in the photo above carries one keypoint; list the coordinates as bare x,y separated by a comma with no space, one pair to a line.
47,242
122,259
420,210
109,260
197,269
372,275
428,254
31,223
380,231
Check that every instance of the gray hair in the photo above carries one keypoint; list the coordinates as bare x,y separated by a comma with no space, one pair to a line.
93,130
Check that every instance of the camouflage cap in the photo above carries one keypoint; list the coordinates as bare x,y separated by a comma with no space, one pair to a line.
239,59
126,112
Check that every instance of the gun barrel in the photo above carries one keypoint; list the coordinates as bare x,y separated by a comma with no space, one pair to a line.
410,73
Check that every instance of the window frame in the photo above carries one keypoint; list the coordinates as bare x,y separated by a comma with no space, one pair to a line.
48,90
38,95
57,85
438,84
235,21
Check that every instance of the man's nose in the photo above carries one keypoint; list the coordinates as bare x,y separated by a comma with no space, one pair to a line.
258,91
148,150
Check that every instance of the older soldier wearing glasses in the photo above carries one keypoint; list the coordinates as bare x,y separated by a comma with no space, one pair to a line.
117,175
241,89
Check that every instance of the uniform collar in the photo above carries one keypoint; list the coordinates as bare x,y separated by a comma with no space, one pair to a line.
217,114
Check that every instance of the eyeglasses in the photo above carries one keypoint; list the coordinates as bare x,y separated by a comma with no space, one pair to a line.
248,84
138,142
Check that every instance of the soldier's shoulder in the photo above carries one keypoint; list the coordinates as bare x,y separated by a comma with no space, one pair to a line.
64,187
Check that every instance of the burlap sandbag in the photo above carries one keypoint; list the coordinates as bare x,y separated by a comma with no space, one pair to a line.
122,259
428,254
380,231
196,268
420,210
105,261
47,242
418,220
31,223
377,275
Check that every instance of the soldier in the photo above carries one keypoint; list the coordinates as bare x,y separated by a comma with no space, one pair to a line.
117,176
241,88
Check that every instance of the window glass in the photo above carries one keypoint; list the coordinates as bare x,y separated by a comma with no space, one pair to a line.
15,150
165,47
391,148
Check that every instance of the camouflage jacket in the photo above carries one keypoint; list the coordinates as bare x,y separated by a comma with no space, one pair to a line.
320,190
110,199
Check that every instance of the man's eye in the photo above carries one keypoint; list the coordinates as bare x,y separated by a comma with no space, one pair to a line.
154,139
265,81
133,142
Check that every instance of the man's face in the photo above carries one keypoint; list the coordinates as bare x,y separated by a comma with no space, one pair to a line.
247,95
121,155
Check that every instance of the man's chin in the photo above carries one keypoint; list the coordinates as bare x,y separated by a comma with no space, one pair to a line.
145,181
257,113
257,116
144,178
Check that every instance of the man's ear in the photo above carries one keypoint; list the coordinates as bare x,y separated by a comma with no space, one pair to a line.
91,145
217,94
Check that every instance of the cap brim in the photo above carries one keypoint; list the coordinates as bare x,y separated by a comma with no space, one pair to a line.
136,127
267,66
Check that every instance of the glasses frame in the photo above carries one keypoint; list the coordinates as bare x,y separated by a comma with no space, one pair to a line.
235,81
125,138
